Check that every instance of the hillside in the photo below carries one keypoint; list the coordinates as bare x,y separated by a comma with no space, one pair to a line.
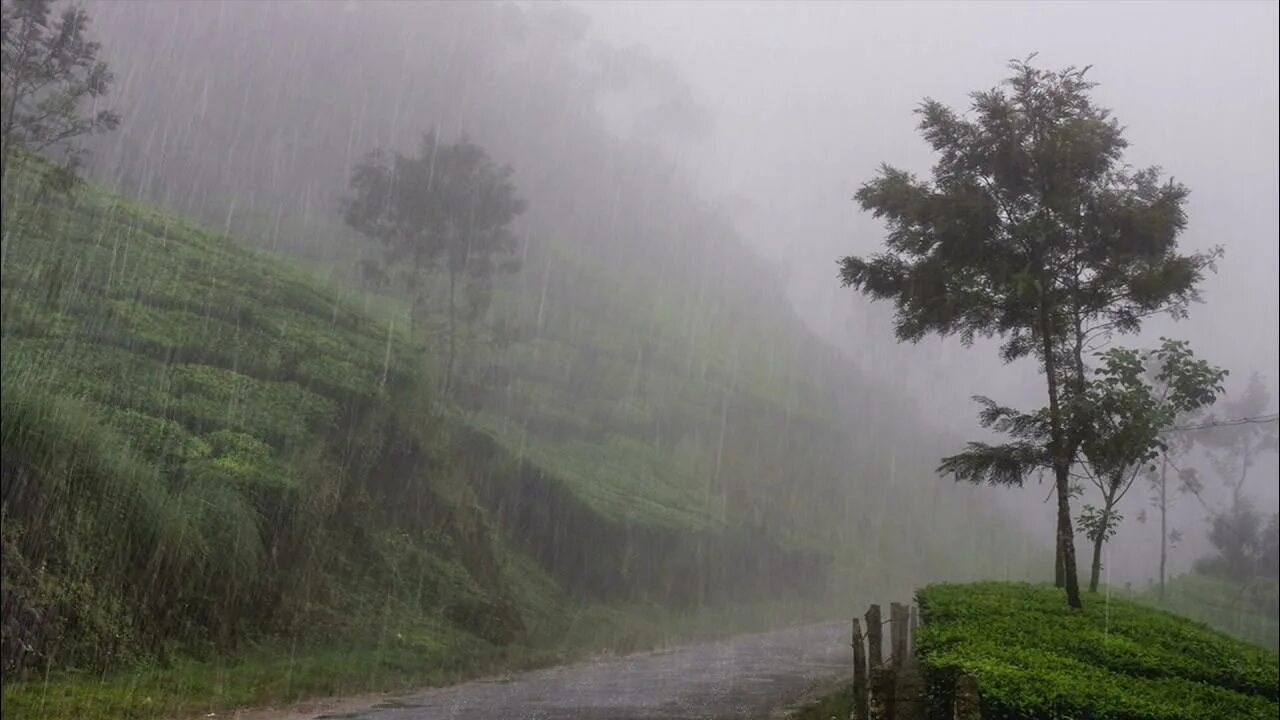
1032,657
206,450
224,447
1246,611
643,355
202,444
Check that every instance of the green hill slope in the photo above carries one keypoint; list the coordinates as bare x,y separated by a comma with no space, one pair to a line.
203,445
211,456
1246,611
1033,657
206,449
643,358
658,365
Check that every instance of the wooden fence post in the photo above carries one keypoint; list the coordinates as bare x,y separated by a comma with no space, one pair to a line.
915,623
859,674
967,704
898,633
895,634
881,706
874,656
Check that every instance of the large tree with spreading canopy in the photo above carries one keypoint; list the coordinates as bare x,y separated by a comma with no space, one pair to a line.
1033,230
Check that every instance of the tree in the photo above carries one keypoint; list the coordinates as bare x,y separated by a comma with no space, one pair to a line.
1234,445
1131,402
1248,547
1244,539
50,70
1178,441
1118,422
1176,445
449,202
1034,231
1269,547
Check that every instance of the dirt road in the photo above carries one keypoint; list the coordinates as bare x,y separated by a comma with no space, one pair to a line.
748,676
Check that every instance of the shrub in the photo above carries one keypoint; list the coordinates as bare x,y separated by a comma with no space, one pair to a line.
1034,658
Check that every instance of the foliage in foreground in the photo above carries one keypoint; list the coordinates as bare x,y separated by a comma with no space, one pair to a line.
389,661
203,446
1035,658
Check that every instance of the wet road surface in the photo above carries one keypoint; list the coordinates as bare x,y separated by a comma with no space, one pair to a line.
747,676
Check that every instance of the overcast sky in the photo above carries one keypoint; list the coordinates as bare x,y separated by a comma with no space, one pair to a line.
806,99
788,108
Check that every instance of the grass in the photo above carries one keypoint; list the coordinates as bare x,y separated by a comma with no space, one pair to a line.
838,704
221,472
1035,658
189,433
277,674
1248,611
265,676
615,475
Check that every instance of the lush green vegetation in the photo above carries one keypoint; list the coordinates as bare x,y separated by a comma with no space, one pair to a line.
227,482
189,523
1246,610
203,446
276,672
642,352
1035,658
970,253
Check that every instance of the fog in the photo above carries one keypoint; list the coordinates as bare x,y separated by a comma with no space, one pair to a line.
771,113
808,98
520,325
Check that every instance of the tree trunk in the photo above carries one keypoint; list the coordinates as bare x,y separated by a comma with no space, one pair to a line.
6,142
1065,536
415,295
1059,567
415,303
453,332
1164,519
1061,458
1095,570
1238,490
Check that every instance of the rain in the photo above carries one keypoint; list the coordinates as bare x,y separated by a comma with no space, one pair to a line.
615,359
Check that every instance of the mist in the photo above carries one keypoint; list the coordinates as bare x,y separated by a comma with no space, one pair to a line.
807,99
398,344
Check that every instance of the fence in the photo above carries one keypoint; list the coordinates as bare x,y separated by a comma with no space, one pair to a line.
890,688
